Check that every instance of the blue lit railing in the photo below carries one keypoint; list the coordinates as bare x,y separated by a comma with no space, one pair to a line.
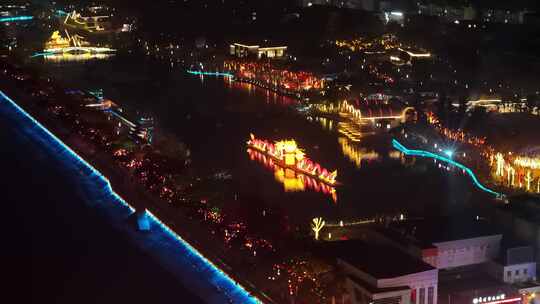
428,154
236,289
218,74
42,54
240,292
70,152
16,18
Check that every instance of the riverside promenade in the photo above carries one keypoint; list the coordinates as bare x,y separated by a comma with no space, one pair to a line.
195,271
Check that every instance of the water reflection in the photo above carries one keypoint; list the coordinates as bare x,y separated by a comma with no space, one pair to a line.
68,57
270,96
291,180
356,154
350,130
326,123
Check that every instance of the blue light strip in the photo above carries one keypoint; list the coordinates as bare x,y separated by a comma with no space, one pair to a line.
245,296
428,154
237,290
75,156
42,54
16,18
210,73
122,118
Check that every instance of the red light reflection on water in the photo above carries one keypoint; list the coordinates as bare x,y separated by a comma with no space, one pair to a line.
292,181
271,97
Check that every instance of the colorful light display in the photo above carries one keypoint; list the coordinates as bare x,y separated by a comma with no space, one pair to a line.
458,135
368,112
508,169
292,180
269,76
287,154
72,47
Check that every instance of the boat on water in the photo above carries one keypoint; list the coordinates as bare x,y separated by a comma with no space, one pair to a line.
72,44
287,154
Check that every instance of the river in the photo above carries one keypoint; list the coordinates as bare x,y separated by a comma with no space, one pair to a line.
215,117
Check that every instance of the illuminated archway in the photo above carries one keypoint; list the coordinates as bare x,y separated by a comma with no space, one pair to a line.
408,110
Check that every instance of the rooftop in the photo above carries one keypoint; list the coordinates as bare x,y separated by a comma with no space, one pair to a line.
464,283
426,232
373,289
378,261
524,206
514,251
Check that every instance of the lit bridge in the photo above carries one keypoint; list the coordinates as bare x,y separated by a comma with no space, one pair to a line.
427,154
218,74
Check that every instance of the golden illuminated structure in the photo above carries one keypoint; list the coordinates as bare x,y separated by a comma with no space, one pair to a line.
89,23
74,47
317,225
528,179
500,164
288,155
515,171
57,42
527,162
292,180
367,112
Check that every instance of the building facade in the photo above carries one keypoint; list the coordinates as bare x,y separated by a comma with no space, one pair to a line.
243,50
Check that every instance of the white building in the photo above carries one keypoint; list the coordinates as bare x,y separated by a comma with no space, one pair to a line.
444,243
243,50
516,265
382,274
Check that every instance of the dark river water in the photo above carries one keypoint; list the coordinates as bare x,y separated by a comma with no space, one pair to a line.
215,117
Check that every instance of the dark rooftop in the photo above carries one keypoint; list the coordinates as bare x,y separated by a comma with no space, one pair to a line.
514,251
373,289
463,283
524,206
377,260
442,229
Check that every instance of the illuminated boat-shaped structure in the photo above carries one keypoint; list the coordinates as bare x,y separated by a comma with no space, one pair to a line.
287,155
72,44
292,181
